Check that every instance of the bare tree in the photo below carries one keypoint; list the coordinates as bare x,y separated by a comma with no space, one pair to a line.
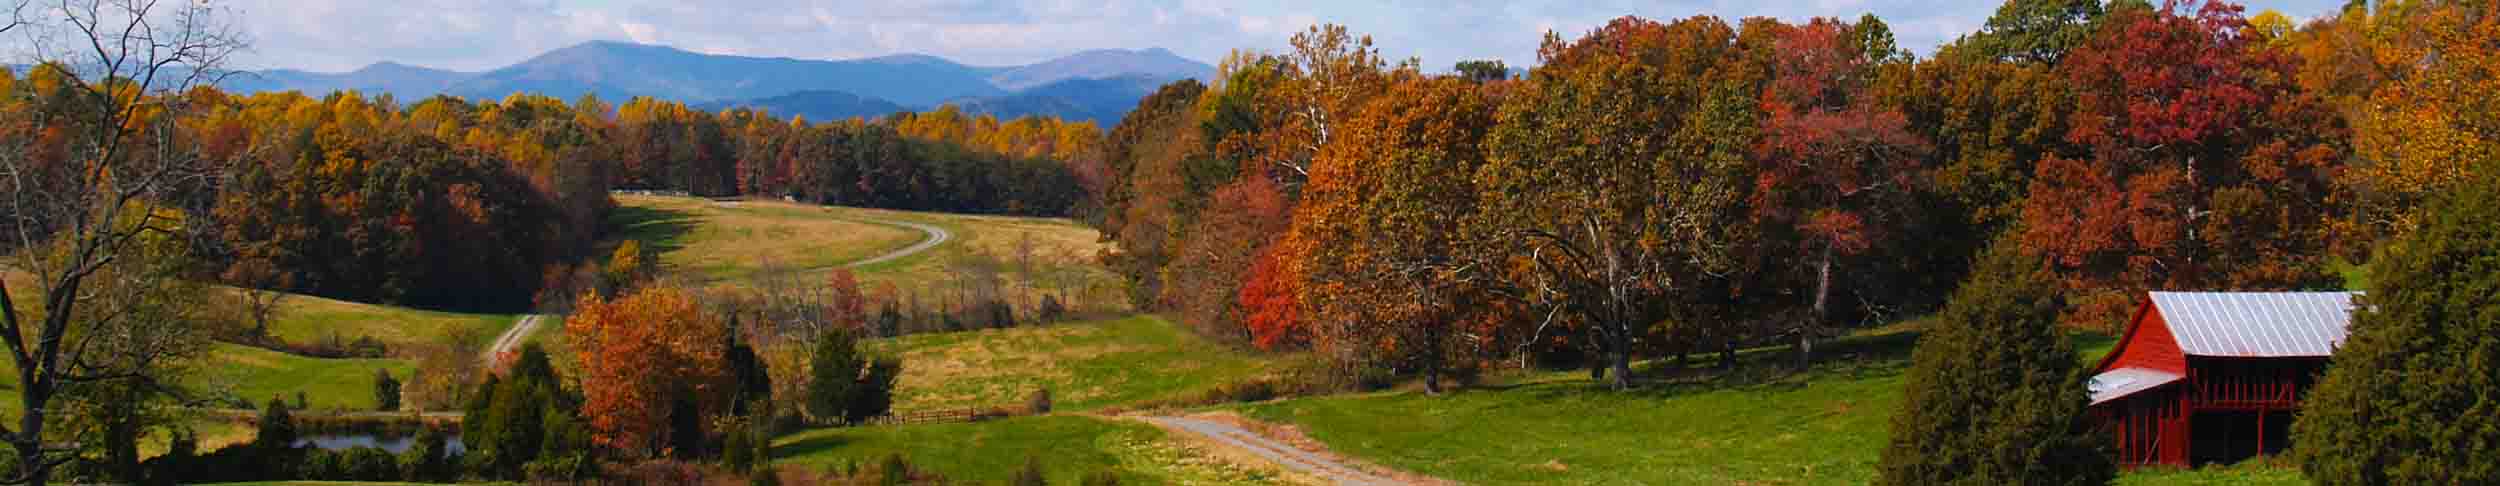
73,217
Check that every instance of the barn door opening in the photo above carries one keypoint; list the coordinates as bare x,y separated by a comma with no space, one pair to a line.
2232,436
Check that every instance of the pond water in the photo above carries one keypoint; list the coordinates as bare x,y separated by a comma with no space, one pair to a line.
393,445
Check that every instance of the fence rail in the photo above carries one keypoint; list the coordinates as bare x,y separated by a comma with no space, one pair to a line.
941,416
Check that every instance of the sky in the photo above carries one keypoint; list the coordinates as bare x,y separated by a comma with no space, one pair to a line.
476,35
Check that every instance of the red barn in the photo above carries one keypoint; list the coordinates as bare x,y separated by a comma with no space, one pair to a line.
2214,377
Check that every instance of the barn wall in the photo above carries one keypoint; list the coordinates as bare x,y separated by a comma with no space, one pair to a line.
2149,345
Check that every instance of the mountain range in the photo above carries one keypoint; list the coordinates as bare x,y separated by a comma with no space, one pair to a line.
1099,85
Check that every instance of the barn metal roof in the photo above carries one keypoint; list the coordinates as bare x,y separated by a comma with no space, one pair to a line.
2257,324
2118,383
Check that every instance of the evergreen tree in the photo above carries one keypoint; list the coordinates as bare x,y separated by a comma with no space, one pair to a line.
385,391
1996,395
2413,397
277,426
833,371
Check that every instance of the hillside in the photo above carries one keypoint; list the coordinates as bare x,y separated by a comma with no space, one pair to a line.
815,105
1157,63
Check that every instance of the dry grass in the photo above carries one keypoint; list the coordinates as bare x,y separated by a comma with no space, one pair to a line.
1085,365
725,241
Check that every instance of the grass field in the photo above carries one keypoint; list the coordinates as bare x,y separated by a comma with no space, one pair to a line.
308,319
713,241
331,384
1827,426
730,243
1067,446
1085,365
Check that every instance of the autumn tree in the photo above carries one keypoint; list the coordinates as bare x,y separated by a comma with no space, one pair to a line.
87,190
2410,398
1617,178
641,353
2414,79
1841,166
2203,166
1382,227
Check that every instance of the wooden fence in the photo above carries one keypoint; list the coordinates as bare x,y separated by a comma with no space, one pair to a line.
942,416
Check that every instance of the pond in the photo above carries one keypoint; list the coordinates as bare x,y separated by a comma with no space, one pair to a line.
393,445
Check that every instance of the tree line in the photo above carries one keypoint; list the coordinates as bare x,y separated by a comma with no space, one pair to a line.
1665,188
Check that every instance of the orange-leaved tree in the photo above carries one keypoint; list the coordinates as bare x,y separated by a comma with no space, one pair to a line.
1385,251
644,355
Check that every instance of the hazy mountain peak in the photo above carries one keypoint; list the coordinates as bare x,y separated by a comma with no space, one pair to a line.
1154,62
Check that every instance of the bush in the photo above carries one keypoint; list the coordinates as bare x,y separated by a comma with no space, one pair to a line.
1101,478
367,464
875,398
1995,395
1051,309
321,464
425,461
1039,403
894,471
2413,396
385,391
1031,474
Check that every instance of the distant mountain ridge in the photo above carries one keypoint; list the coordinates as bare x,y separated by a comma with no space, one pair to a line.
1098,85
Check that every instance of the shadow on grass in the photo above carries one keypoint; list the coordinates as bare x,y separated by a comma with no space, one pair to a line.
659,230
1759,369
820,444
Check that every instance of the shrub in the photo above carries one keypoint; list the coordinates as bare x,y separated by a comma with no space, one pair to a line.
2413,397
875,398
321,464
894,471
425,461
1995,394
1051,309
1039,403
385,391
1031,474
1101,478
367,464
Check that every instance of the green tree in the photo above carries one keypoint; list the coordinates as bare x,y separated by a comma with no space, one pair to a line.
385,391
1482,70
833,372
2035,31
277,426
2413,397
1995,394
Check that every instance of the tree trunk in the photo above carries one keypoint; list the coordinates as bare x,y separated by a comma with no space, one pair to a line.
1622,357
1727,355
1814,317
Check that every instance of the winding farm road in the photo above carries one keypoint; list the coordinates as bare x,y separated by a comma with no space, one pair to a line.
936,237
512,338
1282,454
520,332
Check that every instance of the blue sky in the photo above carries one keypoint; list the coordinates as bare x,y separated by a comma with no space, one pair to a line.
338,35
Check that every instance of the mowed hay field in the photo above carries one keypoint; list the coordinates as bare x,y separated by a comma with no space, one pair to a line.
732,243
714,241
1067,446
1827,426
308,319
1085,365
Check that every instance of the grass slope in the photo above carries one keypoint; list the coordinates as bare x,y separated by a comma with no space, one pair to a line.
1067,446
1827,426
308,319
1085,365
331,384
722,241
